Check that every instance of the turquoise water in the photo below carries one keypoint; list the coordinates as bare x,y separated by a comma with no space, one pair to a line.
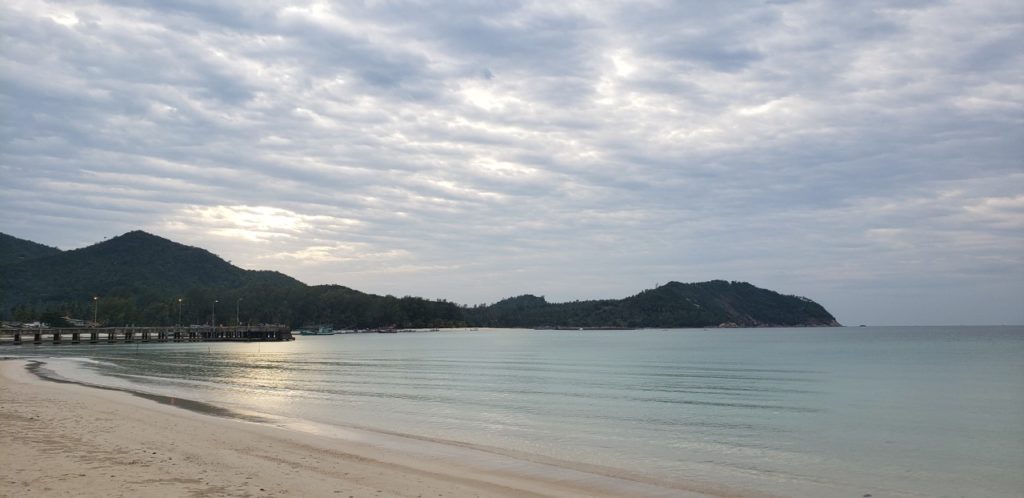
887,411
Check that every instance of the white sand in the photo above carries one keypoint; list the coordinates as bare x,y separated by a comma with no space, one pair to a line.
71,440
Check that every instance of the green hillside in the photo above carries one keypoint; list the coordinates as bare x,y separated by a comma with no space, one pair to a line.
143,279
672,305
139,278
133,263
15,250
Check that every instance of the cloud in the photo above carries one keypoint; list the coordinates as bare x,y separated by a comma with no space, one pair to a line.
472,151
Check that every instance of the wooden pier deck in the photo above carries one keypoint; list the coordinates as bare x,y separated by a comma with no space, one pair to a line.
115,335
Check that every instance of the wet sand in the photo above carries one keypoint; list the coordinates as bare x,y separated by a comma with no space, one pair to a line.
62,439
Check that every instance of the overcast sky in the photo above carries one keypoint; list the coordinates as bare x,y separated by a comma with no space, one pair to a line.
868,155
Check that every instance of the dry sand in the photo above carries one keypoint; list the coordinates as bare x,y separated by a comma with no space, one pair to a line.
71,440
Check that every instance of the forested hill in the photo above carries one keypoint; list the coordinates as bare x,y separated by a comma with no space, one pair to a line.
139,278
15,250
134,263
674,304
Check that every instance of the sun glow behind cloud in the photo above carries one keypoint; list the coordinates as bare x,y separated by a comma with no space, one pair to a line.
251,223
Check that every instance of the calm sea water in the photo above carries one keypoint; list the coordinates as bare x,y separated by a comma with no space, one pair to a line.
887,411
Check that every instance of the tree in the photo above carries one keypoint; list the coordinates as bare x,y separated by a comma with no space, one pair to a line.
53,318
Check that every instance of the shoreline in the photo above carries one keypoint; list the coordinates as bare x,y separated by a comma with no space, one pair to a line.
86,440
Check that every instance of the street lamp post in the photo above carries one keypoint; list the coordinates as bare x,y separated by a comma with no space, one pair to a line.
179,312
214,313
95,310
238,320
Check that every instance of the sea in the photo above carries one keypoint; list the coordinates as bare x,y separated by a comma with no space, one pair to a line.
817,412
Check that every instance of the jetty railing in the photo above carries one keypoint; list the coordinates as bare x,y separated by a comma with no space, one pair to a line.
121,335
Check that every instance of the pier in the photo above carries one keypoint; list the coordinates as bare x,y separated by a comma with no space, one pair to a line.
122,335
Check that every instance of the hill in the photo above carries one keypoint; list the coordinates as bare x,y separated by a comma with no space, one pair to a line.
15,250
674,304
143,279
133,263
139,278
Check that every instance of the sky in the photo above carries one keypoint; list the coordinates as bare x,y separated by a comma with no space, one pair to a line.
867,155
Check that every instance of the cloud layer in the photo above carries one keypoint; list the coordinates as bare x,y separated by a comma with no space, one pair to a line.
868,155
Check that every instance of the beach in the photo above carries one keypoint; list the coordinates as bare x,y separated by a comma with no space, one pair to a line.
893,412
64,439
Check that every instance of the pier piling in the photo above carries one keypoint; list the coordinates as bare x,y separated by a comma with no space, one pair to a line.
113,335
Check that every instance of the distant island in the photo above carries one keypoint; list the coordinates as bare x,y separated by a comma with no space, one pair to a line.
144,279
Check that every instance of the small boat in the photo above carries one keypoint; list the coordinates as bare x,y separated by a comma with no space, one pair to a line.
321,330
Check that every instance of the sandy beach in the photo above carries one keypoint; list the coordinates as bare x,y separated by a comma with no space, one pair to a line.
72,440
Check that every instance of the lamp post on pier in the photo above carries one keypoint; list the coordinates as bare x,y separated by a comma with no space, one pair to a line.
179,312
95,310
214,313
238,320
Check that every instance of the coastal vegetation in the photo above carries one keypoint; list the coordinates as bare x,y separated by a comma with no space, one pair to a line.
674,304
15,250
139,278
